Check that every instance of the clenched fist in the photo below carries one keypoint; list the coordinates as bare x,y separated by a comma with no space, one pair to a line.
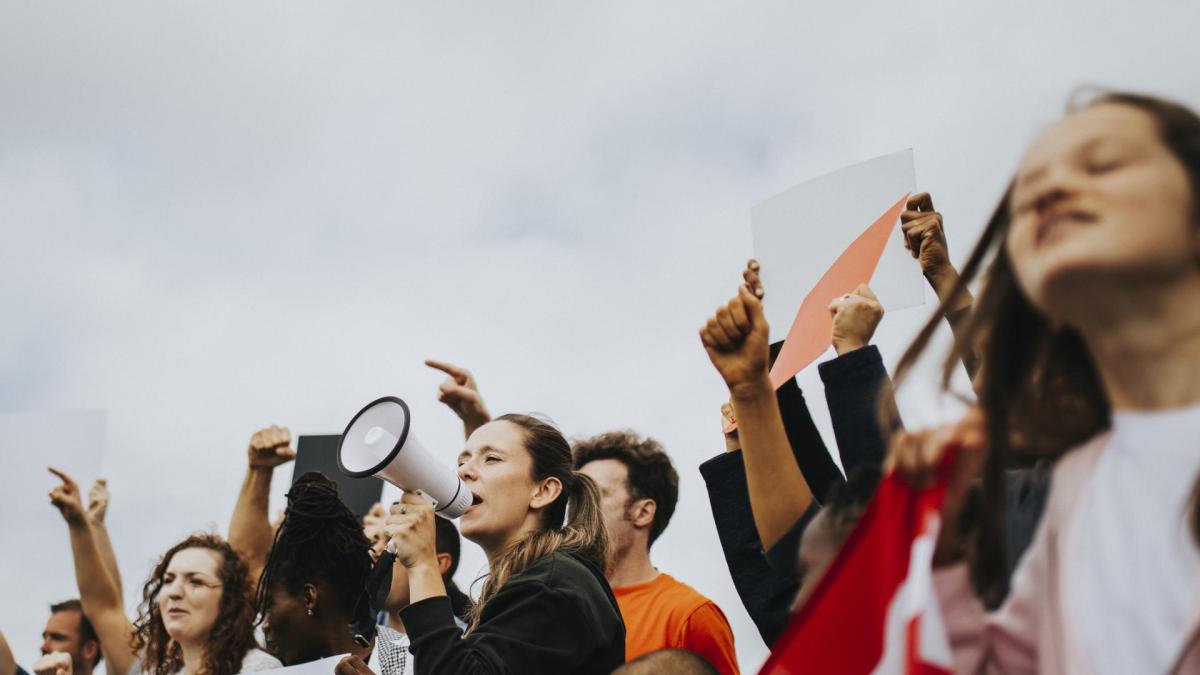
54,663
855,316
270,447
98,500
735,338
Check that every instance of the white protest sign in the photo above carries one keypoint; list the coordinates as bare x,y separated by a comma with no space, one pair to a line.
798,235
36,568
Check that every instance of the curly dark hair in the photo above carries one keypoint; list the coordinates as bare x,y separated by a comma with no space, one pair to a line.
651,474
233,632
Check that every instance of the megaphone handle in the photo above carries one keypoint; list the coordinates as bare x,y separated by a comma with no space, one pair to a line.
421,493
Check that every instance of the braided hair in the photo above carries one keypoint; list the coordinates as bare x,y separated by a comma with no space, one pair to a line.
320,541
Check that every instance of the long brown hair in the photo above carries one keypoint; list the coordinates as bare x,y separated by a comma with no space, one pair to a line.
233,632
1038,384
573,523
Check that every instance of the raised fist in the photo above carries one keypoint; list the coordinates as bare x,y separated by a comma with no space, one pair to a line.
98,501
54,663
855,316
270,447
735,338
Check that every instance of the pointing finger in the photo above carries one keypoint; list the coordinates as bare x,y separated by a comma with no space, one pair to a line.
460,375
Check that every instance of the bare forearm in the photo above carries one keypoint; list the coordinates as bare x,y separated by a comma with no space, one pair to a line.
779,495
96,588
101,600
8,664
250,531
108,555
957,310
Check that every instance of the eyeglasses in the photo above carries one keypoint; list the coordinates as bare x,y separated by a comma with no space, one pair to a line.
191,583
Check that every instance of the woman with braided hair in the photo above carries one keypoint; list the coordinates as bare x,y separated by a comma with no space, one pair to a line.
312,591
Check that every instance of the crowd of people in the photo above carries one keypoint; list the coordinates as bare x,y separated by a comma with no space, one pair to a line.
1071,523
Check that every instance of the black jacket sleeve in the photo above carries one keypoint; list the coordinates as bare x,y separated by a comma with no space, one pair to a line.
854,383
765,593
819,469
532,625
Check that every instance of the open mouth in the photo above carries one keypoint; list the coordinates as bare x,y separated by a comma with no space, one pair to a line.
476,500
1055,220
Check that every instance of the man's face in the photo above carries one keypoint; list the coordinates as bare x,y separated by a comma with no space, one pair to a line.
612,477
62,635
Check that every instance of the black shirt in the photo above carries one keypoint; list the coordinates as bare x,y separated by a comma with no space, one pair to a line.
558,616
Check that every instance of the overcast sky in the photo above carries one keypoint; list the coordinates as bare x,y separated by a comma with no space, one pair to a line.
221,216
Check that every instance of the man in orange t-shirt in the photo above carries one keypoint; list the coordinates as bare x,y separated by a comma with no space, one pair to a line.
639,489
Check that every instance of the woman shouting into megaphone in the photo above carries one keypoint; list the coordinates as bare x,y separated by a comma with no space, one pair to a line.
545,607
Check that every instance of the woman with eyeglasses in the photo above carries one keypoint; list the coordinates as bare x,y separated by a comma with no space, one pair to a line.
196,615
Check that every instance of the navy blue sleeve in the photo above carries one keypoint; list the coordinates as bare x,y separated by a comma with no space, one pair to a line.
854,383
783,556
765,593
818,467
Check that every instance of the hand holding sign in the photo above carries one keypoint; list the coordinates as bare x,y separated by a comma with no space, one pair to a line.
798,233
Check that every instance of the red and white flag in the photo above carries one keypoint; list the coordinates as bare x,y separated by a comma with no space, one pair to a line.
874,611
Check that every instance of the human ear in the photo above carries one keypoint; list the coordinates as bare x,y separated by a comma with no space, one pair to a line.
444,560
90,649
643,512
545,492
308,598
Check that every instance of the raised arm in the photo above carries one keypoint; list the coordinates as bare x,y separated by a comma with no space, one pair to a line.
460,393
925,238
765,592
98,592
735,339
856,383
8,664
97,509
250,531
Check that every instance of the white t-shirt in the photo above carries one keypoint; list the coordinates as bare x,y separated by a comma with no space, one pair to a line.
1133,580
256,659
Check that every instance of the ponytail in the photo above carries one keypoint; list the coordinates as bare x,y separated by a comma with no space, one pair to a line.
573,523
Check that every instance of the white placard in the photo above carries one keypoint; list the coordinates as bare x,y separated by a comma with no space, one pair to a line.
799,233
36,568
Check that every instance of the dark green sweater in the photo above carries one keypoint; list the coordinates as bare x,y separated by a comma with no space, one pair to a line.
558,616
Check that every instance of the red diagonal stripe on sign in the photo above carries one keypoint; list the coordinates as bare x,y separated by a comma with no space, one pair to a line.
810,333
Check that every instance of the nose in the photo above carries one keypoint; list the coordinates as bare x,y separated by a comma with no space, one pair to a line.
467,471
1060,183
46,647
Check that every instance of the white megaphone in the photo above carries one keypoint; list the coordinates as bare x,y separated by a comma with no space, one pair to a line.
379,441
